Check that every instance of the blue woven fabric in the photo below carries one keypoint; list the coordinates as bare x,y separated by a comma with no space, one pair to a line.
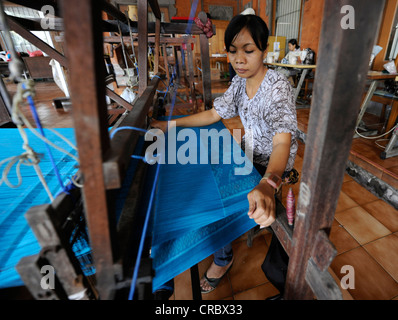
16,238
199,208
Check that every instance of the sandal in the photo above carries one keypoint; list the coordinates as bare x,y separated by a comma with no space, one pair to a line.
213,282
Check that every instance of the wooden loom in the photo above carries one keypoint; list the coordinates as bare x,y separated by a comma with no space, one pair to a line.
117,157
104,163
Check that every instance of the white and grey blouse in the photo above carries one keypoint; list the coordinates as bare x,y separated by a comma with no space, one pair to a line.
272,110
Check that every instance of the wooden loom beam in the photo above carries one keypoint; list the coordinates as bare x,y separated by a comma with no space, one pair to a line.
26,34
123,143
181,28
168,41
108,156
84,43
343,63
5,107
22,25
205,57
83,36
48,222
155,9
56,55
143,48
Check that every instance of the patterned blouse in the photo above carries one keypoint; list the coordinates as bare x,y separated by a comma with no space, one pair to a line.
272,110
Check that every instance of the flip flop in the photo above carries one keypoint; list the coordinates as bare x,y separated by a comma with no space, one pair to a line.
213,282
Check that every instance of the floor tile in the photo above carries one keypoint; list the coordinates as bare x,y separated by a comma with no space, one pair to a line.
246,272
385,252
383,212
347,178
361,225
341,239
182,285
372,282
357,193
345,202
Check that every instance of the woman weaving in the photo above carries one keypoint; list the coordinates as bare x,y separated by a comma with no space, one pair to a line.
264,101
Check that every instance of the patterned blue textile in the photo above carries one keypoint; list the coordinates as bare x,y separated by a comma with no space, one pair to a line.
199,208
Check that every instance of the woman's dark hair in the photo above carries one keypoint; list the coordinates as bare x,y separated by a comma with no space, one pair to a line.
254,24
293,42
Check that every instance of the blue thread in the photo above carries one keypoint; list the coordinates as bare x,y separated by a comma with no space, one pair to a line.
132,128
40,128
191,15
134,156
141,246
127,128
143,234
156,76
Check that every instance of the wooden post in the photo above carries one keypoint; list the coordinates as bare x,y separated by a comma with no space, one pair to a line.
143,45
83,34
191,77
5,107
343,63
205,56
157,46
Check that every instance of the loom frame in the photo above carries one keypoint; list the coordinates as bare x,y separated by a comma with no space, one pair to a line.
308,244
104,165
333,116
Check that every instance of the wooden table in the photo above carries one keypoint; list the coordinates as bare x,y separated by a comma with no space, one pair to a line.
375,77
305,67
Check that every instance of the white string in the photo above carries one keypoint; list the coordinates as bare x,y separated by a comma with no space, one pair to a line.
21,159
130,81
377,137
29,157
379,145
19,118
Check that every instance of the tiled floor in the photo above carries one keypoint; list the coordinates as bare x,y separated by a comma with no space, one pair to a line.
364,231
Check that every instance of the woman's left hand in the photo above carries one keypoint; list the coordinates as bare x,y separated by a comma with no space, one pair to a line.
262,204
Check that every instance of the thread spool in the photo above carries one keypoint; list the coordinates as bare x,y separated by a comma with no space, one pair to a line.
290,207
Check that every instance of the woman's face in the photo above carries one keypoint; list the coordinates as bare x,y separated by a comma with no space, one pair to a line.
245,57
292,47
